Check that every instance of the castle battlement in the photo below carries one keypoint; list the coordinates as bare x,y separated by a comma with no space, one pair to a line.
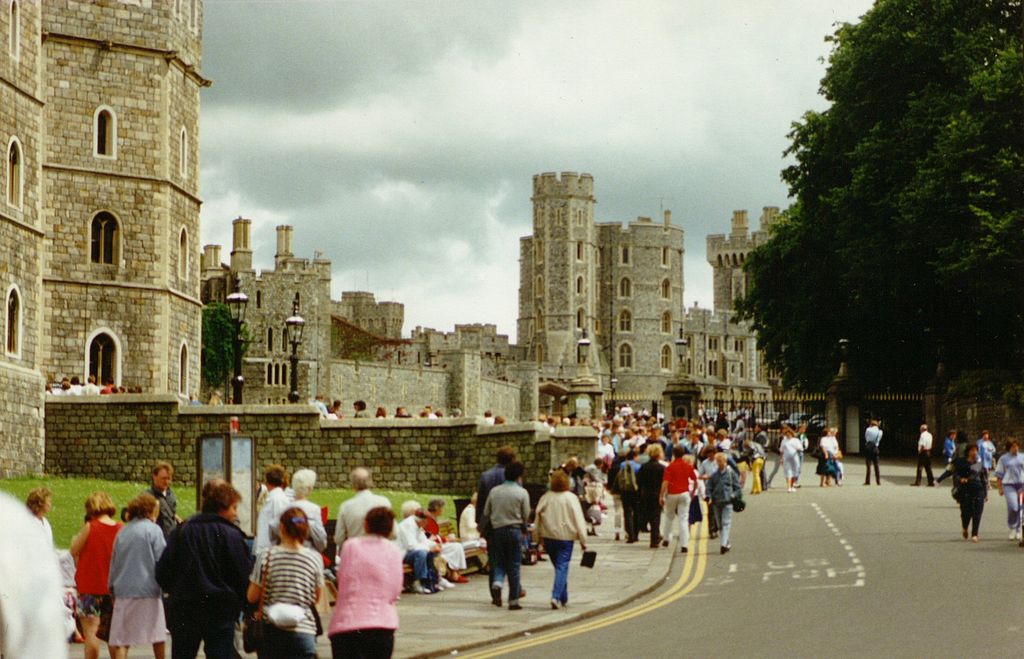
568,184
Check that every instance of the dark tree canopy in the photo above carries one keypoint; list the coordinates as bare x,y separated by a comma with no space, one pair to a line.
906,231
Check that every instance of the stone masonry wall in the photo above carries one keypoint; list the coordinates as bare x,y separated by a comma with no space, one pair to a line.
972,416
120,437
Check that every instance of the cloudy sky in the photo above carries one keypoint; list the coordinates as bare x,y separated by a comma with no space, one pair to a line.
401,138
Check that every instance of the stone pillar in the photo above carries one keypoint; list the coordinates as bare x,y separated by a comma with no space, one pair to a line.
680,398
586,398
528,376
463,380
579,441
842,410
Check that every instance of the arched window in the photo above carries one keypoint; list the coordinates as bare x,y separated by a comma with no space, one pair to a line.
104,360
540,318
284,373
183,154
13,322
105,144
14,173
270,374
183,370
277,374
666,289
580,319
664,255
270,339
625,287
579,286
15,35
259,299
579,250
539,290
666,357
183,254
625,321
625,356
666,322
104,238
624,256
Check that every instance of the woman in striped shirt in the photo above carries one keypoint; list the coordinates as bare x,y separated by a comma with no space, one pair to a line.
291,576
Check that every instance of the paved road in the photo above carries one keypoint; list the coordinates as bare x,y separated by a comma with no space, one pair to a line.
852,571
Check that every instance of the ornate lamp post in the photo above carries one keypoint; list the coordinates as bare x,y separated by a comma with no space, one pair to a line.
681,393
237,302
614,382
295,324
681,345
582,352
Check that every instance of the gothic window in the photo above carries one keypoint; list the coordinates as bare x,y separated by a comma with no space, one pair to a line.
284,373
739,345
666,289
183,154
624,256
13,322
664,255
625,287
539,251
540,353
104,238
103,359
14,173
259,299
713,367
15,26
183,370
666,357
625,356
270,339
277,374
105,133
666,322
579,286
270,374
539,289
183,254
625,321
580,319
284,340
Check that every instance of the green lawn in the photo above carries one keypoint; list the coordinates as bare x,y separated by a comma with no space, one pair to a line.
69,495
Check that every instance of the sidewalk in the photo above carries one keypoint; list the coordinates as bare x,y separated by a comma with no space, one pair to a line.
463,617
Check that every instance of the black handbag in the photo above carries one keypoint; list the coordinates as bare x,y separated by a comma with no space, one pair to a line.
254,630
106,617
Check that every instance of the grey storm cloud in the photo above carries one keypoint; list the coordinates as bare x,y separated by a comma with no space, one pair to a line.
400,139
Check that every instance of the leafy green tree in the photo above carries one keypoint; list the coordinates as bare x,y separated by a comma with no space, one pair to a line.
218,344
906,233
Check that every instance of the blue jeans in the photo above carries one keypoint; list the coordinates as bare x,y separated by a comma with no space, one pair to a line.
192,624
422,562
724,512
506,548
560,552
286,644
1012,493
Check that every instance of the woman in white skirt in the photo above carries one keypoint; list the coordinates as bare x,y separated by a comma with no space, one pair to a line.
138,608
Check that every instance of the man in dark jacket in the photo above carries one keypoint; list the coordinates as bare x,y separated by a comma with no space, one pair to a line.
489,480
205,569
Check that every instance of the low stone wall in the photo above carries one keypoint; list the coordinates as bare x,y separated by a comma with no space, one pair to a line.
972,416
120,437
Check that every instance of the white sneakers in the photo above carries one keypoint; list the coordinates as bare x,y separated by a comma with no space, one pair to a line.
444,584
1014,535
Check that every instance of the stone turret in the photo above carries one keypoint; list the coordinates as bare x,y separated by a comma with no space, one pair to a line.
727,254
211,258
241,245
284,245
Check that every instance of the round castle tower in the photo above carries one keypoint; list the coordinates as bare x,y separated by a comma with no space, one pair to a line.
120,162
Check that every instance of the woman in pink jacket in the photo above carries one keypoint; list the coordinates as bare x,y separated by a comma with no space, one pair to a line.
369,582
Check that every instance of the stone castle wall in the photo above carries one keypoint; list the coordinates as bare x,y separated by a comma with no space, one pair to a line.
973,415
120,437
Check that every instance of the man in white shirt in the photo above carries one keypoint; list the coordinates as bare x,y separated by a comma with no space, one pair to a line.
277,501
924,457
352,513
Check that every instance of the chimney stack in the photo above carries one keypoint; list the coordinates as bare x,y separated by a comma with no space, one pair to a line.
241,246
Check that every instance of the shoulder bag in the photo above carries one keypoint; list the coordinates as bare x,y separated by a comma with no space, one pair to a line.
254,631
739,504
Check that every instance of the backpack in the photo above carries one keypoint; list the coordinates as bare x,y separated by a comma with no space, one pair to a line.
625,480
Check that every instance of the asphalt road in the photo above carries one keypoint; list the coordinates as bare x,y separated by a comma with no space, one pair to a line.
878,571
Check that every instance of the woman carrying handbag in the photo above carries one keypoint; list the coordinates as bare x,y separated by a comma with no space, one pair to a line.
286,582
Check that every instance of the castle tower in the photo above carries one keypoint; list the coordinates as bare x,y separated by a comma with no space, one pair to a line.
558,270
728,254
120,168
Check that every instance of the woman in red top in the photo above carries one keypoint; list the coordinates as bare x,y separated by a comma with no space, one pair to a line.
92,549
677,487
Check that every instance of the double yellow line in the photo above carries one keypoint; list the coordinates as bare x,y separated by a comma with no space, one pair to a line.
693,573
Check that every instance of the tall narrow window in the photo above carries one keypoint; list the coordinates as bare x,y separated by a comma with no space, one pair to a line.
579,286
579,250
183,155
106,133
625,356
259,299
13,322
666,357
270,374
193,13
270,339
625,287
624,256
664,255
277,374
666,322
540,353
15,35
14,173
580,318
666,289
539,291
284,340
103,358
284,374
104,238
625,321
183,260
183,371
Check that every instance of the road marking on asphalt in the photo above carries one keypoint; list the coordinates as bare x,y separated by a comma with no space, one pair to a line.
858,567
692,576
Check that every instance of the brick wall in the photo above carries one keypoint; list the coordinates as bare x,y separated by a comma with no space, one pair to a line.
119,437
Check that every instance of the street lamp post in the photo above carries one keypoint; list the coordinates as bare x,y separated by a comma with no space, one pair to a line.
237,302
295,324
681,344
614,382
